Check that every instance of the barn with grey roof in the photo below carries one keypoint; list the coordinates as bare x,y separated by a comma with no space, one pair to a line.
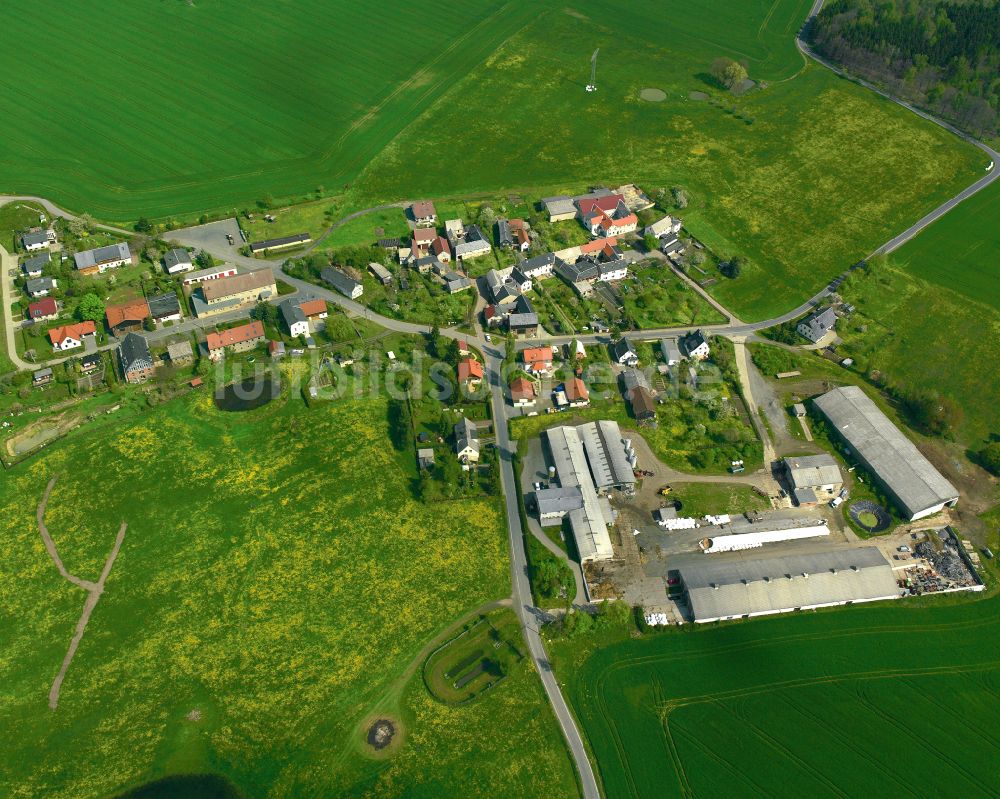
904,473
724,588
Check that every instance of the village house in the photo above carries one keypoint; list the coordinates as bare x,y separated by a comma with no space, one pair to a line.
817,324
343,283
606,216
474,245
671,352
572,394
237,339
68,337
165,307
423,214
694,346
539,267
577,350
425,457
135,359
560,208
642,403
423,238
522,392
32,267
276,349
40,286
505,238
441,249
537,360
470,373
126,317
43,310
180,353
38,240
663,227
391,245
466,442
101,259
622,352
523,321
177,260
519,230
295,319
228,293
455,281
91,363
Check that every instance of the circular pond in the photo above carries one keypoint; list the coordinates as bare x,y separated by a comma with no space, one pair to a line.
653,95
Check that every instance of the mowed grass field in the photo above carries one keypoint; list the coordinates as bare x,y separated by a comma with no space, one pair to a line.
804,178
275,589
961,251
881,701
163,108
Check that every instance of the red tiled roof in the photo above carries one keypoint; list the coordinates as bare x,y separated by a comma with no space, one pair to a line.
576,390
44,307
423,208
597,245
235,335
522,388
535,354
131,311
424,235
469,369
59,334
440,245
313,307
606,204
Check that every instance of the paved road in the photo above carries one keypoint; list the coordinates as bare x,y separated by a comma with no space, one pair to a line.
8,263
529,615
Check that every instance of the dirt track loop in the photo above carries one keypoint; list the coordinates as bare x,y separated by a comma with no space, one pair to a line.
94,590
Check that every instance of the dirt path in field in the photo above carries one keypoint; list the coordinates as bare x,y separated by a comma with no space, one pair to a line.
94,590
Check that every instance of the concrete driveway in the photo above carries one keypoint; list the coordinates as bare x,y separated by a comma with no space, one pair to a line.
211,238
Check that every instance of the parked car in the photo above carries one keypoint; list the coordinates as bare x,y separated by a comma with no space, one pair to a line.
835,502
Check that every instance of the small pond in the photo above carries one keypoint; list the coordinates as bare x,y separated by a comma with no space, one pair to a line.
254,392
185,786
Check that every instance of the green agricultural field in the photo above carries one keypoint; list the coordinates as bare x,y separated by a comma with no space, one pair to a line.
878,701
959,251
909,334
276,588
323,88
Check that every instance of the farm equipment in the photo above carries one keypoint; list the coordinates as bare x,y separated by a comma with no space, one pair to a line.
665,491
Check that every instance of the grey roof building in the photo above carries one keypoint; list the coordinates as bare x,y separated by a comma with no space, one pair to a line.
39,238
466,440
524,318
33,266
671,351
180,352
814,473
817,324
39,285
134,355
453,281
346,285
605,448
177,260
112,253
622,351
383,275
726,588
164,306
280,243
633,378
903,472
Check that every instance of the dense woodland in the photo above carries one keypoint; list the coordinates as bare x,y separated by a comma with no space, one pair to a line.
943,55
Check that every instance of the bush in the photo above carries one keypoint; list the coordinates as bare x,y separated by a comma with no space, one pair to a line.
989,457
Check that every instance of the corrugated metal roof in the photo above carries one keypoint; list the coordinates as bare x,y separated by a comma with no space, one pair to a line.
907,475
734,587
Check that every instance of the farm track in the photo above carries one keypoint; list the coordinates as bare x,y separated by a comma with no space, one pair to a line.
94,590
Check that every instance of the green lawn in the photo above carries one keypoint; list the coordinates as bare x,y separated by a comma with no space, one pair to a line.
959,251
278,577
882,701
700,499
14,219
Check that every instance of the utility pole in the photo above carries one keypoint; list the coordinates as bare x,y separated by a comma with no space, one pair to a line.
592,86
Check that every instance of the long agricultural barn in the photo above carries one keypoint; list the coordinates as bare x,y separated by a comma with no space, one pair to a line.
906,475
605,449
719,590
